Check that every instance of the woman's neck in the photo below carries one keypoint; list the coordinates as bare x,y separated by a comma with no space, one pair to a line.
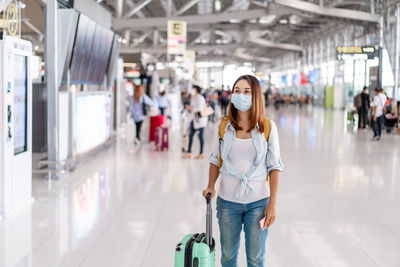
244,117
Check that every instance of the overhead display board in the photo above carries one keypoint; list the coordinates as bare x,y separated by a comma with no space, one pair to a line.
356,52
91,52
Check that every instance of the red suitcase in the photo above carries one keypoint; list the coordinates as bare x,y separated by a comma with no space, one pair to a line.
161,138
155,121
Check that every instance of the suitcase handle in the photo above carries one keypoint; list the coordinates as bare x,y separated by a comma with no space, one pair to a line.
209,220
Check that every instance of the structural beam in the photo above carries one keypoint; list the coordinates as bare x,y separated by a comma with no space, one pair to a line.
134,50
186,7
397,55
120,24
120,5
33,28
328,11
138,7
164,6
141,38
241,53
51,66
132,5
283,46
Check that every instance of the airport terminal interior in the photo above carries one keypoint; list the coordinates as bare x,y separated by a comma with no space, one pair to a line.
110,133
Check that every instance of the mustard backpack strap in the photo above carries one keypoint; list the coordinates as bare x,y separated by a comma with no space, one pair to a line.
221,132
267,128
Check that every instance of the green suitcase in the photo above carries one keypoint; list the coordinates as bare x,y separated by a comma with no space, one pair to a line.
197,250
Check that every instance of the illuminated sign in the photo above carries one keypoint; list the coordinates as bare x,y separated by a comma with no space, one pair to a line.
356,52
176,37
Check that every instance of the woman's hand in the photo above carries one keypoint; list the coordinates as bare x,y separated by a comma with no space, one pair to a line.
270,214
209,190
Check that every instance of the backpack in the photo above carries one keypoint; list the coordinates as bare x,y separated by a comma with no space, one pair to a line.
358,101
221,132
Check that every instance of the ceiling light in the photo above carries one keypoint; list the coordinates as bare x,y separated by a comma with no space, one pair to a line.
294,19
235,21
123,41
267,19
283,21
129,65
36,48
217,5
219,41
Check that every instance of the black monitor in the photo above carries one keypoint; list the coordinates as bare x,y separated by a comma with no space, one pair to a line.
91,53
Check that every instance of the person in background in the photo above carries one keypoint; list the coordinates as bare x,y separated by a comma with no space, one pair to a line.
224,102
388,104
365,105
213,103
198,123
357,106
162,102
277,100
266,95
138,109
377,115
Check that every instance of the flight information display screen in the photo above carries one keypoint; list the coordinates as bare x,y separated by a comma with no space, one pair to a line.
91,53
20,104
78,56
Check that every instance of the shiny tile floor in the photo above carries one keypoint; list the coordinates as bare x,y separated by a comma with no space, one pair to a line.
339,203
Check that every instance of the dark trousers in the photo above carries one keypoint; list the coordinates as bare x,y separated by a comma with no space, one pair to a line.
201,138
224,109
377,125
138,128
362,117
162,110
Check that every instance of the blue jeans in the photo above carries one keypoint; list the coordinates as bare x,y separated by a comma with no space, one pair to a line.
201,138
231,216
377,126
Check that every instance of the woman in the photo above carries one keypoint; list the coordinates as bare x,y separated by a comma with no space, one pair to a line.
198,123
249,150
162,102
140,100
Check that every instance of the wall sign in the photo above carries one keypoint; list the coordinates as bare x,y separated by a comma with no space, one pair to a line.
176,37
11,22
356,52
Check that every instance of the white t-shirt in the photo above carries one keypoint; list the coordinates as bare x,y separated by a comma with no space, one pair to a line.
242,156
197,103
379,102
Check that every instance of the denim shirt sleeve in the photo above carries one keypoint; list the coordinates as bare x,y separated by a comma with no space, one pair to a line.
214,157
273,158
148,101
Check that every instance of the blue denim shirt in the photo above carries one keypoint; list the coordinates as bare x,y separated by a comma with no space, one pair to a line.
267,158
137,107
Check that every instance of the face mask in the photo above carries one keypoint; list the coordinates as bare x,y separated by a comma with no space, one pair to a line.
241,102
